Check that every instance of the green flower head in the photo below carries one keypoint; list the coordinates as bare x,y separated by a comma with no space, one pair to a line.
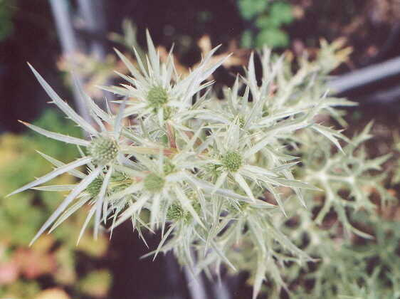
232,161
168,167
94,187
103,150
157,97
176,212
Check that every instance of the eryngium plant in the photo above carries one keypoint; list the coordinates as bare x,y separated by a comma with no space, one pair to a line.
219,178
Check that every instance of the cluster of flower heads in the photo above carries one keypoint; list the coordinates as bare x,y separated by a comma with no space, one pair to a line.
211,174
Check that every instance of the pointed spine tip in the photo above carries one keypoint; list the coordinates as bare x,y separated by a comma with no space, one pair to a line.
33,241
39,152
25,123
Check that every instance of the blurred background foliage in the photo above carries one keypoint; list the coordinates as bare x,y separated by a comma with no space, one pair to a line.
55,266
6,14
268,18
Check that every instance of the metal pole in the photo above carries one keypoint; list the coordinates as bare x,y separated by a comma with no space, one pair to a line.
365,76
62,18
92,13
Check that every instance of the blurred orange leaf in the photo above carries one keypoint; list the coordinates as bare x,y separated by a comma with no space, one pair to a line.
8,272
33,264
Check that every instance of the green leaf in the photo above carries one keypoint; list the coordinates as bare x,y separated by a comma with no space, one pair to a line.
247,39
272,37
281,13
250,8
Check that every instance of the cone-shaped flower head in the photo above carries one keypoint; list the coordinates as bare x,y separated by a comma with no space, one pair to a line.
94,187
232,161
176,212
157,97
103,150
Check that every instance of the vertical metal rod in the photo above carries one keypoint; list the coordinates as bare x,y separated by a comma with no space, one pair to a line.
92,13
92,16
65,31
195,284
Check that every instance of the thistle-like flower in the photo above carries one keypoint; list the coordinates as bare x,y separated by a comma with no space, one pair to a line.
237,164
102,153
156,89
213,175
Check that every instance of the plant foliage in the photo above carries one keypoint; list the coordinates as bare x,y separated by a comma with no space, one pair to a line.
255,181
266,19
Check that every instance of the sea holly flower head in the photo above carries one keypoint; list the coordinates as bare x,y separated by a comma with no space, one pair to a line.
94,187
232,161
215,176
155,88
103,150
157,97
176,213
